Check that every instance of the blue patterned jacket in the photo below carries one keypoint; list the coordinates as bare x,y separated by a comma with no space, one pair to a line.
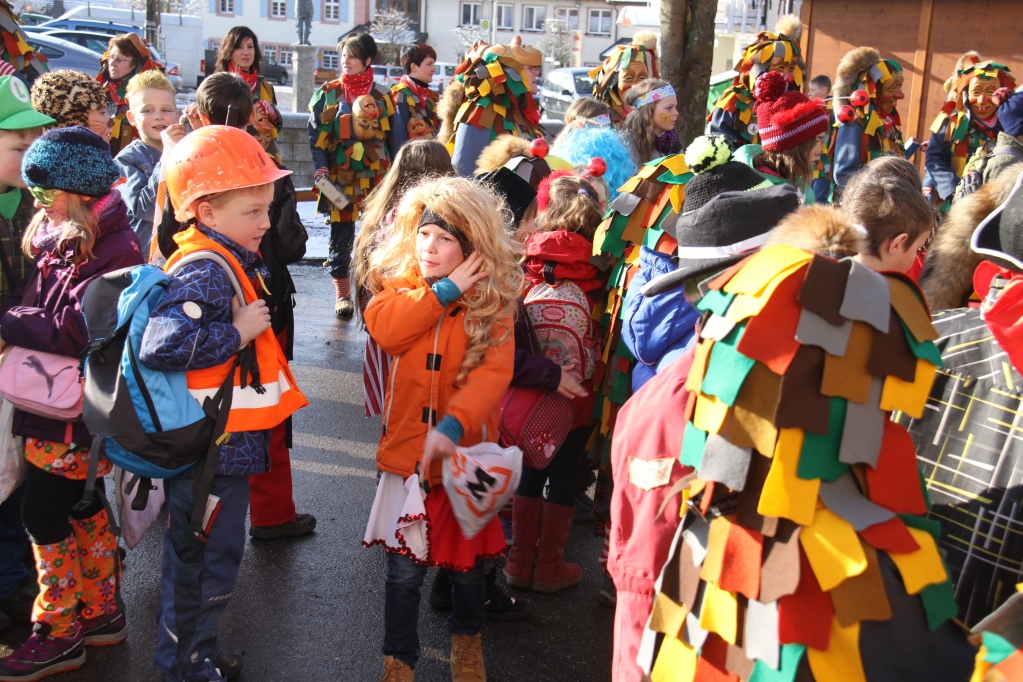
192,329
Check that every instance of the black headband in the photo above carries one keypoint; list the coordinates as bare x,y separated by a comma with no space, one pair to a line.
429,217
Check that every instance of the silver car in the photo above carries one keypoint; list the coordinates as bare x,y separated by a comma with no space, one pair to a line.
98,43
63,54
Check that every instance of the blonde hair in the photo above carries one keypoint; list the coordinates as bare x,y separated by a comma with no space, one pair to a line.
572,205
471,209
81,226
416,161
153,79
587,108
638,127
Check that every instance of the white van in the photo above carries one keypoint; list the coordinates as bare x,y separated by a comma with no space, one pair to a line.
443,72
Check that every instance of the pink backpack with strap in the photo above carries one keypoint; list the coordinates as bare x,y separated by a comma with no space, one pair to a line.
561,317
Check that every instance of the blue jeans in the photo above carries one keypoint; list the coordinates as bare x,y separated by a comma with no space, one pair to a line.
198,578
401,605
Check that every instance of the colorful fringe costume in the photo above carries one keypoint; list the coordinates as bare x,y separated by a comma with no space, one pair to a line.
413,102
497,102
123,132
732,114
955,136
262,90
605,77
805,504
873,133
355,165
649,200
15,51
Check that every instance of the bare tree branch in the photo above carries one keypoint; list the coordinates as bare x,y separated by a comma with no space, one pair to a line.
391,29
556,42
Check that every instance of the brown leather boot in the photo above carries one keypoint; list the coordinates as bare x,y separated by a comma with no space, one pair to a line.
467,659
526,513
396,671
551,573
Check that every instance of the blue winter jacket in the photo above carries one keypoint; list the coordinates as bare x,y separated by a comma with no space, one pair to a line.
192,329
655,329
139,163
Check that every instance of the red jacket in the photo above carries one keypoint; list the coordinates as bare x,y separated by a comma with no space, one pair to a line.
569,256
645,466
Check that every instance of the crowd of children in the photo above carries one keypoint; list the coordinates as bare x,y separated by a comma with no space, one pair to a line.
722,331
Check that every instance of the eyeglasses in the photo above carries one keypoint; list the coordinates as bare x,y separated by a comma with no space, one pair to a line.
120,60
45,197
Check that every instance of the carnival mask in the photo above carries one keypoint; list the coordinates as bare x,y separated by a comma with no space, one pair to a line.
786,68
418,128
366,115
636,72
889,93
980,92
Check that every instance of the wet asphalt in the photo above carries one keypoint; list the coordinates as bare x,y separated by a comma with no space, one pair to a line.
311,608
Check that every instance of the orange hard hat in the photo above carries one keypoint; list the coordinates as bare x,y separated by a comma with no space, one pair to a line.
216,159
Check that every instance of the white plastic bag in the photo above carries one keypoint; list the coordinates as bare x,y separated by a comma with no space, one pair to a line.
12,453
134,524
479,481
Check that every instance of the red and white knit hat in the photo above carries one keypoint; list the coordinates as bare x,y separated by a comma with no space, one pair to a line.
786,119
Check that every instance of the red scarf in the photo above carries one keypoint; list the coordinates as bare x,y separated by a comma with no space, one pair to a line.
251,77
421,92
358,85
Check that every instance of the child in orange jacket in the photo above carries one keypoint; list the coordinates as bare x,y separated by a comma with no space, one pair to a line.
450,282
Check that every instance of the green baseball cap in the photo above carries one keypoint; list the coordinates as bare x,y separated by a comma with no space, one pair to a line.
16,112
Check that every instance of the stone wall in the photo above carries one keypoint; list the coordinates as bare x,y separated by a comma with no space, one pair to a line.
293,141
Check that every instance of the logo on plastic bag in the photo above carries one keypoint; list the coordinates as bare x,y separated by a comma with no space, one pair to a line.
479,481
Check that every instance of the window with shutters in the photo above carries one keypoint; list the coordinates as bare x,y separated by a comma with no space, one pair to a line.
225,7
331,11
278,9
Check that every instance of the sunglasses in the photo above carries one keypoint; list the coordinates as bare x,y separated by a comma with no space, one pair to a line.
45,197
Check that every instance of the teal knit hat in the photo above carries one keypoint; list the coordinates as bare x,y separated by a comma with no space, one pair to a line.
73,159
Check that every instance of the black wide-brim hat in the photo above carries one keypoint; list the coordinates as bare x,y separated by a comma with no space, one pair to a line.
517,192
724,231
1000,235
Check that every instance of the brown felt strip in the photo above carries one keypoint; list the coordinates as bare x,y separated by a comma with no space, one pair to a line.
779,574
801,404
847,376
911,309
891,354
862,597
747,516
824,288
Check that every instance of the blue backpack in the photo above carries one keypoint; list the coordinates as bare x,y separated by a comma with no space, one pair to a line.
147,421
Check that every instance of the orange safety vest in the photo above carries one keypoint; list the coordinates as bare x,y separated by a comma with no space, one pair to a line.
250,409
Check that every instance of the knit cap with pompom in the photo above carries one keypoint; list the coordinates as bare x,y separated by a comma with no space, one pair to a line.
708,157
786,119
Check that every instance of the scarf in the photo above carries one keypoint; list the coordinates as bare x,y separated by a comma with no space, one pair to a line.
667,143
358,85
418,88
251,77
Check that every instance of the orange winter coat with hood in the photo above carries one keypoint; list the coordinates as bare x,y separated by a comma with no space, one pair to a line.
428,342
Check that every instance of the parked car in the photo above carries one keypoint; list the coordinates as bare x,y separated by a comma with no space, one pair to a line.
442,75
63,54
560,88
387,76
31,19
111,28
98,43
273,71
324,75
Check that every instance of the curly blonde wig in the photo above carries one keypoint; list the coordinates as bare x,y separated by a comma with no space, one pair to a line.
492,301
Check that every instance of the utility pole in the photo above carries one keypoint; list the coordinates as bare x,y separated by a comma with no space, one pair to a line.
152,30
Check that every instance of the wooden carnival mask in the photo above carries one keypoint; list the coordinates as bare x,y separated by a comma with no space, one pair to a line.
418,128
890,92
628,77
979,94
366,115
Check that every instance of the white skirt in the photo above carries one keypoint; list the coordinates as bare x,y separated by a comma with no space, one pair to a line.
398,517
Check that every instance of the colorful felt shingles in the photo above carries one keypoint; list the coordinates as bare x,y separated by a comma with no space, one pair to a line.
922,567
824,288
770,337
841,660
909,396
755,405
805,616
779,573
862,597
726,369
800,404
819,455
833,549
895,482
864,428
791,657
866,298
785,494
908,303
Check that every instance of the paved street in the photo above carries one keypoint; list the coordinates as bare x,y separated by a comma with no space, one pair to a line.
312,608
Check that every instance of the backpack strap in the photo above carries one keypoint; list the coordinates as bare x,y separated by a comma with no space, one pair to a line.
1008,151
209,254
204,511
548,272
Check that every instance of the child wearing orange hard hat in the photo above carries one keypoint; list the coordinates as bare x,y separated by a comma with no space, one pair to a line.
219,179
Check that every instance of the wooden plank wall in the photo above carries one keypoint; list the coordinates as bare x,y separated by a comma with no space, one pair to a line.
925,36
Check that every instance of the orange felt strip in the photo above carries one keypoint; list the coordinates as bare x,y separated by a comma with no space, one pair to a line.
891,536
770,337
895,482
740,567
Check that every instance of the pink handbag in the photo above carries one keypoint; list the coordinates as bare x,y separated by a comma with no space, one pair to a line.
45,384
537,421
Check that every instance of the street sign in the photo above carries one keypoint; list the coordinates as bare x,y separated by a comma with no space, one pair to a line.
485,24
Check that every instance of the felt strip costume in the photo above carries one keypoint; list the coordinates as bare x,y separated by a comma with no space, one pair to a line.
956,135
123,132
647,204
607,77
356,165
732,114
262,90
415,112
803,546
871,133
15,51
497,102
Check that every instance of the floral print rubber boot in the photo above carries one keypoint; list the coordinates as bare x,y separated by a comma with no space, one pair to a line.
102,610
56,644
